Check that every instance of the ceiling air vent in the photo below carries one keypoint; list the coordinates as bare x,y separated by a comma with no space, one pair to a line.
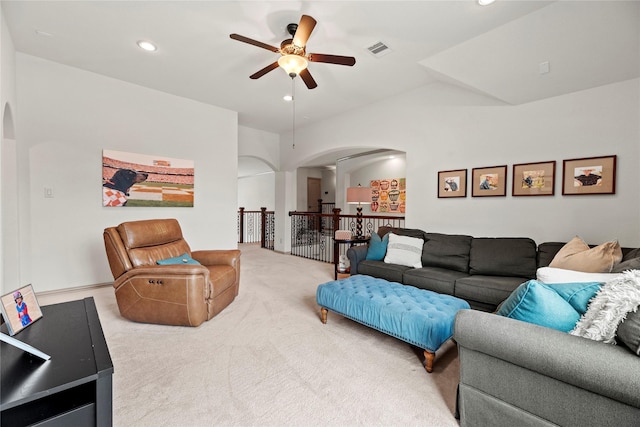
379,49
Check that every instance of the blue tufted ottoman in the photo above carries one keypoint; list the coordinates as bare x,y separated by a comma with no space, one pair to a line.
417,316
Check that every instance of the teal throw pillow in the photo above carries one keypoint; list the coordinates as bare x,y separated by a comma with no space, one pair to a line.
577,294
185,258
537,303
377,247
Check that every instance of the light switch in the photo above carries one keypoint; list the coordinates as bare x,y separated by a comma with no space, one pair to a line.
543,67
48,193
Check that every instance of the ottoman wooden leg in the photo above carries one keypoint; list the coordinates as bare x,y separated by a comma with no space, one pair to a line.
323,314
429,357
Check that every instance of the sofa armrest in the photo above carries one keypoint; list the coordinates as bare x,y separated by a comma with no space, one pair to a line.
608,370
355,255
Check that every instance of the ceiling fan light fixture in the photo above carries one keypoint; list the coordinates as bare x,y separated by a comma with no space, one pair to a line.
293,64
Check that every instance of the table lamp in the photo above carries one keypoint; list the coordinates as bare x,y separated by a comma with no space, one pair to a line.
358,195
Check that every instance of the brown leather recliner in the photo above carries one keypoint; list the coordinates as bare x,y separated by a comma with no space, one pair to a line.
176,294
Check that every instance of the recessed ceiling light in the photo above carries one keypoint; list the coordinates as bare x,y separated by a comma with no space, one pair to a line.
485,2
288,98
147,45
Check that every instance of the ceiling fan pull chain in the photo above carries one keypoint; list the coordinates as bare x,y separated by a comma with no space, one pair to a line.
293,102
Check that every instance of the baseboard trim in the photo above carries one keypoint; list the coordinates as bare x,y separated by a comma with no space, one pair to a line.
74,289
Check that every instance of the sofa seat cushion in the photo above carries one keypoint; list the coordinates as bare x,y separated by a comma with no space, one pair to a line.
390,272
503,256
487,289
222,277
434,279
448,251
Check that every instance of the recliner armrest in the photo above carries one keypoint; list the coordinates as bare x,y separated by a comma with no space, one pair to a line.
218,257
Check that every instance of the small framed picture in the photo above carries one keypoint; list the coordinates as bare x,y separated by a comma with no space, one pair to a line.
452,183
589,175
20,309
489,181
534,179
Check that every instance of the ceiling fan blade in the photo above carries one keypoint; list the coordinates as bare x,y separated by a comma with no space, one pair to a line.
332,59
306,25
264,71
254,42
305,75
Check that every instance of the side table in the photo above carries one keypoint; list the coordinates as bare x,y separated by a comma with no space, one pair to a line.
74,387
336,250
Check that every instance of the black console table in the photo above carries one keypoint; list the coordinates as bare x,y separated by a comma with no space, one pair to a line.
74,387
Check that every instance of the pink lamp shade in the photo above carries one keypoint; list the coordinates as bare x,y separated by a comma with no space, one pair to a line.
358,195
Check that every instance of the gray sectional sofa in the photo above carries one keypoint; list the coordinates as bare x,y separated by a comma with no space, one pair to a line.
481,270
514,373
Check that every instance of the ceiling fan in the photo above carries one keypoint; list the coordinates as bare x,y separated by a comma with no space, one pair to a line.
294,58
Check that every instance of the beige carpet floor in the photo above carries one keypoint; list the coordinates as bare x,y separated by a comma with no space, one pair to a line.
268,360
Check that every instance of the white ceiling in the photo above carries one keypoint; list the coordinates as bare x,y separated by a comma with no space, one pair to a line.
496,50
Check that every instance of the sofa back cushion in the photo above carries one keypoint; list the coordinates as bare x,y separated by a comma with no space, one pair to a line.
409,232
503,256
448,251
548,250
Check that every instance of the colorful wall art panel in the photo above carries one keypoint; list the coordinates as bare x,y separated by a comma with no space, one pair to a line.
130,179
388,195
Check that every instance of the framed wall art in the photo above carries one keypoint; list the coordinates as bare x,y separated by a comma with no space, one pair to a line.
452,183
589,175
388,195
534,179
20,309
489,181
132,179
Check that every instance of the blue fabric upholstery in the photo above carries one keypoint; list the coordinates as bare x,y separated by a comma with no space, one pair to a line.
377,247
417,316
185,258
537,303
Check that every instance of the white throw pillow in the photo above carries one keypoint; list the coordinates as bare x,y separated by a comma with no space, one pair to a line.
560,275
404,250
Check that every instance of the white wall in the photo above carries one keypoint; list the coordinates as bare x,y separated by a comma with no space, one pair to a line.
66,118
328,186
441,127
255,192
10,249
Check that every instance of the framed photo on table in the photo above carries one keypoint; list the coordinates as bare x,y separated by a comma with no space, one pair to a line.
589,175
489,181
20,309
534,179
452,183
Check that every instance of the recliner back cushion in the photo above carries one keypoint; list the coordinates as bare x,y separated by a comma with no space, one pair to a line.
152,240
448,251
503,256
152,232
